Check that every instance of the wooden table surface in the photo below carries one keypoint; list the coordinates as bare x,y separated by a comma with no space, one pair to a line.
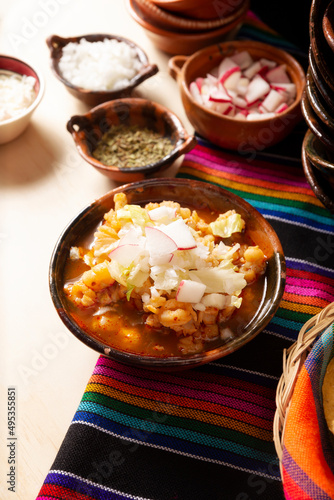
43,184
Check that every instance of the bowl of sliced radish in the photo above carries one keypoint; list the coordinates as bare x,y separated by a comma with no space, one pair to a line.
167,273
241,95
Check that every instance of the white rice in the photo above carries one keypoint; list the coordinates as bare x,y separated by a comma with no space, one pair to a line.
107,65
16,94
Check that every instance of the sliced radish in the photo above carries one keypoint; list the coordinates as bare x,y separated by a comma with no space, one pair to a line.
239,102
267,62
243,59
230,81
226,66
190,291
158,242
259,116
263,71
162,212
278,75
194,90
239,83
240,116
272,101
242,86
257,89
180,234
126,254
220,95
221,107
282,107
252,70
289,88
199,82
229,111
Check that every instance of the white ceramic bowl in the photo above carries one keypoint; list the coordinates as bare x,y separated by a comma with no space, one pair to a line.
13,127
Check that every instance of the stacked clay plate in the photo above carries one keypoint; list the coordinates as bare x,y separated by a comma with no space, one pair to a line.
318,104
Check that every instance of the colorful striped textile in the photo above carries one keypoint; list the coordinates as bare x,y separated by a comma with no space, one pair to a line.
207,432
308,457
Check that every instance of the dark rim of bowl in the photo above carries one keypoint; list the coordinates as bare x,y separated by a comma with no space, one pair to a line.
259,321
315,151
318,128
315,99
319,186
142,56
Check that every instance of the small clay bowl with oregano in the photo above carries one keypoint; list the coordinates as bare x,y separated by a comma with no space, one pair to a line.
130,139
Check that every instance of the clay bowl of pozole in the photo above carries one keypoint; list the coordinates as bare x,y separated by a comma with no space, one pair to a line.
167,274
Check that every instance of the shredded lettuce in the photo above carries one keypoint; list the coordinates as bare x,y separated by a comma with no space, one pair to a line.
225,227
218,280
135,213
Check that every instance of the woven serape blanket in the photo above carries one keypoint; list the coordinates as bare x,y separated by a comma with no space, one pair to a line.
206,433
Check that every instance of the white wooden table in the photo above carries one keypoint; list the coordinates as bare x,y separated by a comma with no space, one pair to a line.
43,184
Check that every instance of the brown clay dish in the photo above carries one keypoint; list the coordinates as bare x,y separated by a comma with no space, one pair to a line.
321,52
174,42
315,124
94,97
225,131
317,103
319,156
319,185
158,16
328,25
196,194
325,91
88,129
200,9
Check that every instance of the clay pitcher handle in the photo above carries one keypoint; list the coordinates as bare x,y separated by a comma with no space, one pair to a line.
175,65
55,44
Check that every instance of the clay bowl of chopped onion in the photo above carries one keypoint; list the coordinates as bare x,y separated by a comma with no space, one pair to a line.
21,91
241,95
112,295
77,61
130,139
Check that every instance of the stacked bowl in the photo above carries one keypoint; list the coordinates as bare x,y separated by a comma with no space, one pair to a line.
318,104
185,26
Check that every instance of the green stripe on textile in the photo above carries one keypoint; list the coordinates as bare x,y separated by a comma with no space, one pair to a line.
293,315
183,424
178,433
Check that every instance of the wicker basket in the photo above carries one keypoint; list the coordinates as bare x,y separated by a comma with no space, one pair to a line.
293,360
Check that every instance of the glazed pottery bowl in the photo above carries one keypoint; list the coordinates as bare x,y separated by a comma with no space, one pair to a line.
13,127
94,97
158,16
201,9
225,131
175,42
321,83
201,196
88,129
322,131
320,156
318,183
328,25
321,51
318,104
